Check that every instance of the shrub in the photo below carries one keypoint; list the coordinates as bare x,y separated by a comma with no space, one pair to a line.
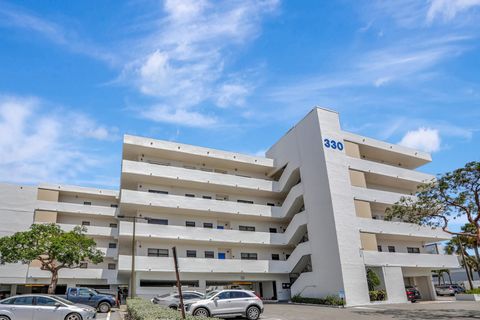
327,300
473,291
140,309
377,295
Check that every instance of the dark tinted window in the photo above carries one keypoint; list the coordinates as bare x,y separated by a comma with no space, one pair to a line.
224,295
8,301
239,294
158,221
248,256
190,223
153,252
209,254
246,228
275,256
207,225
191,253
44,301
24,301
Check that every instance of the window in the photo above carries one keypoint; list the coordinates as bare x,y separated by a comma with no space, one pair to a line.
85,223
83,265
275,256
190,195
112,245
23,301
391,249
248,256
245,201
44,301
224,295
208,225
190,223
379,248
83,292
87,203
207,197
113,225
209,254
239,294
221,197
273,230
112,266
413,250
114,205
246,228
287,256
191,253
157,191
270,204
158,221
167,283
220,171
152,252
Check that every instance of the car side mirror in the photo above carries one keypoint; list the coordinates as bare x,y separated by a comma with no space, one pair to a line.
57,304
216,298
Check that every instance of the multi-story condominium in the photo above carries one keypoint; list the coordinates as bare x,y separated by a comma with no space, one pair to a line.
306,219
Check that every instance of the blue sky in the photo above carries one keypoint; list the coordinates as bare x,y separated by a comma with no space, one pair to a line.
234,75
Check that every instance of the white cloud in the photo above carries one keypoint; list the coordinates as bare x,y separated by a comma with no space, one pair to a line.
182,62
425,139
37,146
162,113
448,9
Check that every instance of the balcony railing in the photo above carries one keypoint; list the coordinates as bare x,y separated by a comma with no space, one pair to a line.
421,260
75,208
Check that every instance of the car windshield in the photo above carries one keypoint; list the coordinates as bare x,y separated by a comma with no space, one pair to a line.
70,303
164,295
211,294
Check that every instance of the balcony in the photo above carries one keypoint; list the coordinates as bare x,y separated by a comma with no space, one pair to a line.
109,252
387,152
394,259
75,208
388,170
402,230
93,230
171,232
136,200
134,146
90,273
379,196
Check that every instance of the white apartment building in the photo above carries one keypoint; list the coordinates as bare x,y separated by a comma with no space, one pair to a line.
306,219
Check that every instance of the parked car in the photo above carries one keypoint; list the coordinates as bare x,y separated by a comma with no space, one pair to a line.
172,300
90,297
43,307
227,303
412,293
448,289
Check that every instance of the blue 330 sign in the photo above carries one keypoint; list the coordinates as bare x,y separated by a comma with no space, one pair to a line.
333,144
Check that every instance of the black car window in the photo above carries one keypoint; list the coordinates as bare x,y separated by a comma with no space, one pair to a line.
239,294
8,301
24,301
84,292
44,301
188,296
224,295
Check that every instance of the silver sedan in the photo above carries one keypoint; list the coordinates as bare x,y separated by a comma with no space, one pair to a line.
43,307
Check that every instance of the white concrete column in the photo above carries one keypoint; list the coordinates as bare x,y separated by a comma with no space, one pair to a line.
13,290
394,284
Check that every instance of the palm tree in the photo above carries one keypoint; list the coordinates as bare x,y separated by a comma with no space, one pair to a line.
456,246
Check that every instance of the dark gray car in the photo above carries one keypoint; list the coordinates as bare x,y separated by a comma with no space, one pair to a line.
43,307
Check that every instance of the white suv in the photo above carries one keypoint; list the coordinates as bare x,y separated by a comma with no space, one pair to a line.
227,303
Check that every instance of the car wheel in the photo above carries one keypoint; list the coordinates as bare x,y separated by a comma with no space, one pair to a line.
4,317
174,307
201,312
253,313
104,307
73,316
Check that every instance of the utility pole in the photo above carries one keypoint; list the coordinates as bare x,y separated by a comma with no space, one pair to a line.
179,285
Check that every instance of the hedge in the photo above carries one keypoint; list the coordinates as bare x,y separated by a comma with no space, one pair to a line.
473,291
140,309
377,295
327,300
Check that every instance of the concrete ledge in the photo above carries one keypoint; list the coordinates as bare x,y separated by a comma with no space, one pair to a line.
467,297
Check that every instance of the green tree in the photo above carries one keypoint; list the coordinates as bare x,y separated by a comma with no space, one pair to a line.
372,279
452,196
457,246
53,247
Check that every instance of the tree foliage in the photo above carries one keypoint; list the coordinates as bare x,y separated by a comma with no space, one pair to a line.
53,247
372,279
452,196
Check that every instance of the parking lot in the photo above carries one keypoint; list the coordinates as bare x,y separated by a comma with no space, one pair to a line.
437,310
112,315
